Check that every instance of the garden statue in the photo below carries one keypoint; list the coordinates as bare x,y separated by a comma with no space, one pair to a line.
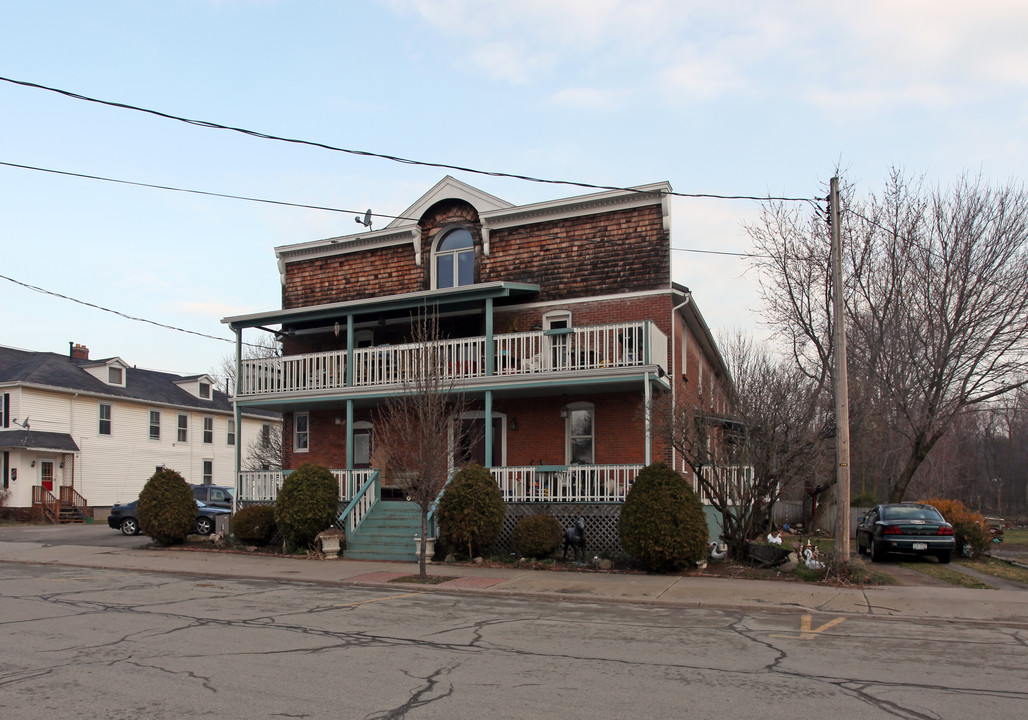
574,538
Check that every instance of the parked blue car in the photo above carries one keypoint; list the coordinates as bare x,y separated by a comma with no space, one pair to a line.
123,517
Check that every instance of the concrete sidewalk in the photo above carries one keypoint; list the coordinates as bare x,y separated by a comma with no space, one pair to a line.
908,601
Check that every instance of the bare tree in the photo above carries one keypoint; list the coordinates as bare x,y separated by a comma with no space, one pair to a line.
773,440
265,451
936,302
415,431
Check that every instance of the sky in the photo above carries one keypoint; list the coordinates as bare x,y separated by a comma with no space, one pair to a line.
723,97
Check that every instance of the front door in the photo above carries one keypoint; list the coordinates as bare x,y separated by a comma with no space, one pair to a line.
46,474
472,442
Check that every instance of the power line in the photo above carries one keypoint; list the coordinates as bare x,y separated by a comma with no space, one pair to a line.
197,192
44,291
383,156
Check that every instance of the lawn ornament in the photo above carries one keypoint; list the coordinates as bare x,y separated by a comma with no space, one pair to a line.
574,538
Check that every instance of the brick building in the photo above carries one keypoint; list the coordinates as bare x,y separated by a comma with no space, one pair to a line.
560,319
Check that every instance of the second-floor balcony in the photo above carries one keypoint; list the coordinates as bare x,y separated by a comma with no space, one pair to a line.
596,348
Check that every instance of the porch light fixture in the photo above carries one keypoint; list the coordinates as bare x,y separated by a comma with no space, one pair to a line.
513,423
564,411
32,464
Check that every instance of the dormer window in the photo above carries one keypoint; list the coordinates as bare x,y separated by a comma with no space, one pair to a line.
205,390
115,375
454,259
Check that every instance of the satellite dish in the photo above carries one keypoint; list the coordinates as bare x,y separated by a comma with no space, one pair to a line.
366,222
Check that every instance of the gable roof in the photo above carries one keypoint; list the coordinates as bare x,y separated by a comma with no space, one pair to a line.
66,373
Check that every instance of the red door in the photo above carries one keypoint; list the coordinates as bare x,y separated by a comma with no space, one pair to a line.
46,474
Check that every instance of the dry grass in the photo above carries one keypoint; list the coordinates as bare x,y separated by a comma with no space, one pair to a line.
941,572
997,568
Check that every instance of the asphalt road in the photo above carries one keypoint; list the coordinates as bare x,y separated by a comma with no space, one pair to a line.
93,535
91,643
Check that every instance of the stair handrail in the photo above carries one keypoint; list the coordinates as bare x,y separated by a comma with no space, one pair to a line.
360,506
430,519
48,502
70,494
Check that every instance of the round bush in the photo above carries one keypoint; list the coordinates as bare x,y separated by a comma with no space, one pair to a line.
471,511
662,523
254,524
307,504
537,536
166,509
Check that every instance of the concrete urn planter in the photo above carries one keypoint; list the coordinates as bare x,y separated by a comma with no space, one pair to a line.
429,548
331,542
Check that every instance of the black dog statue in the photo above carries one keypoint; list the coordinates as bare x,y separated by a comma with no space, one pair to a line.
574,538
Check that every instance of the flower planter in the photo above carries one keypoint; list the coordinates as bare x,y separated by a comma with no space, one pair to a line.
429,548
331,542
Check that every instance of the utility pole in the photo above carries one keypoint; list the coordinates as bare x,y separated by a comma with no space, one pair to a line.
842,412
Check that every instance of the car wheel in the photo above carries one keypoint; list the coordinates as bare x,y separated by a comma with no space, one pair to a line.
943,556
877,554
129,526
204,526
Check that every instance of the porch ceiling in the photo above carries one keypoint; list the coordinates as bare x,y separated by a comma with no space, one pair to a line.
449,298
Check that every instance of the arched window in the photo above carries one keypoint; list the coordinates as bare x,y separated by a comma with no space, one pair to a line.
454,259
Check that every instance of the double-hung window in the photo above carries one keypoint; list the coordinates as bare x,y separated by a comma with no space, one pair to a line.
155,424
208,430
230,438
301,432
183,428
105,419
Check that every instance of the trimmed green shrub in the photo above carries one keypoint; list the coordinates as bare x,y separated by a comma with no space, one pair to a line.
968,525
662,523
471,511
166,509
307,504
537,536
254,524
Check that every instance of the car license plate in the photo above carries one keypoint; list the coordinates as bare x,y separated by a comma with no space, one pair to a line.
920,546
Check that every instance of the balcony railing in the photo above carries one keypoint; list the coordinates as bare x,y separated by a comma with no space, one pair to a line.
526,483
593,348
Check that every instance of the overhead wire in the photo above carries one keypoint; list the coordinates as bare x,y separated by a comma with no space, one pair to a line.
44,291
198,192
384,156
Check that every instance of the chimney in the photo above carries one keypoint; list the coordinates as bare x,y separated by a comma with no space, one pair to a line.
79,352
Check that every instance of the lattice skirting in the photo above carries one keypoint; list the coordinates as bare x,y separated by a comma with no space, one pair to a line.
601,524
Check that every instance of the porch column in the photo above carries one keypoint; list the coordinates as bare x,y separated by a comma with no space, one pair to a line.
490,348
488,428
647,408
349,434
349,353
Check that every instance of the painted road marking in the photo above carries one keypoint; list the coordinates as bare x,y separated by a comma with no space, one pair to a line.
807,629
365,602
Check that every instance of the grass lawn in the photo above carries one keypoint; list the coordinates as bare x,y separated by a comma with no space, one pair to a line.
997,568
941,572
1015,536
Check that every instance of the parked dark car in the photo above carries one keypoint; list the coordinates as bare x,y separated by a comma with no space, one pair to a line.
905,528
214,495
123,517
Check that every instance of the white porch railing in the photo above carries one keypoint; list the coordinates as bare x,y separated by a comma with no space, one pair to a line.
526,483
293,373
731,481
264,485
575,483
594,347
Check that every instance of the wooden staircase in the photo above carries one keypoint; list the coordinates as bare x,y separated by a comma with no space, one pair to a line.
67,508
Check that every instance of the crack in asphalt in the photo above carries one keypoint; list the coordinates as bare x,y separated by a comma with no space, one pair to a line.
433,688
419,697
